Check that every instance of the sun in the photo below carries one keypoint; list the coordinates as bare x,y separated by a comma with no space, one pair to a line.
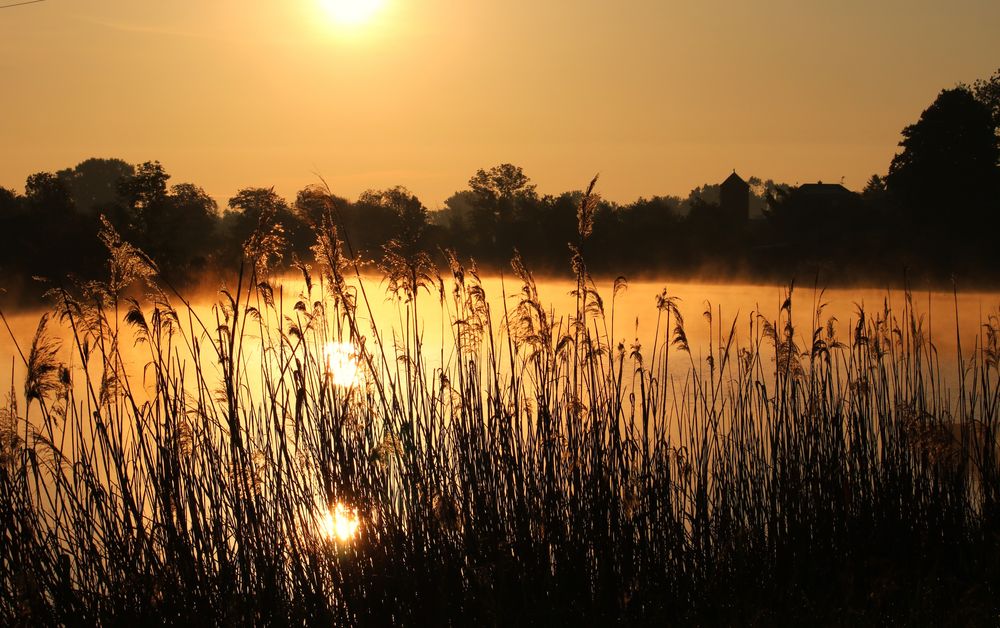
351,12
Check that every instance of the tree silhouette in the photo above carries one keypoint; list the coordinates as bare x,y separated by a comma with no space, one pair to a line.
875,188
257,209
94,184
8,201
987,91
935,212
142,194
11,237
502,194
144,190
314,204
946,176
48,215
188,223
458,218
46,192
407,215
175,227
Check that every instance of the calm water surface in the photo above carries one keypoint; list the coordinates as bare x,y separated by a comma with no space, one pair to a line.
630,317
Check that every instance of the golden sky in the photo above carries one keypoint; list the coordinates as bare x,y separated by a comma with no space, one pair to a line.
659,96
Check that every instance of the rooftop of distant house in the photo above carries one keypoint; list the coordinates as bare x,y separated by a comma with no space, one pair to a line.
824,189
735,179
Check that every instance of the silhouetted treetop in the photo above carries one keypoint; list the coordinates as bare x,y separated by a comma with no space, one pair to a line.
950,152
504,182
8,199
945,184
314,204
987,91
94,183
259,210
46,192
936,213
146,188
946,178
407,212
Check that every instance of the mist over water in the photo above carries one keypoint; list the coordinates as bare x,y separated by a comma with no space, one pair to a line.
631,320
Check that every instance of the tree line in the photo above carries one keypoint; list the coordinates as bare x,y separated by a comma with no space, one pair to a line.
935,213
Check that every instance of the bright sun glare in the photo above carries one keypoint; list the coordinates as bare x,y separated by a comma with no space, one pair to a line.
341,524
341,363
350,12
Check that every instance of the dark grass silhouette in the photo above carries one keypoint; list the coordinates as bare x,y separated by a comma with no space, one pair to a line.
546,474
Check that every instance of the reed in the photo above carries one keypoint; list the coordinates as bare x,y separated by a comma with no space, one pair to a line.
531,469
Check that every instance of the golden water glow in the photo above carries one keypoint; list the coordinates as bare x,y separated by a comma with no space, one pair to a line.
351,12
340,524
341,363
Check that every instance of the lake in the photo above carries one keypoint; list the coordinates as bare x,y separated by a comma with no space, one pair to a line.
631,318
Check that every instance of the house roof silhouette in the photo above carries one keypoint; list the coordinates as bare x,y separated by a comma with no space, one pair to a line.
824,189
734,179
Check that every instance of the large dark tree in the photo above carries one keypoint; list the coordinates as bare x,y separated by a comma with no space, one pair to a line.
458,218
143,195
144,190
11,242
314,204
404,258
505,182
8,202
95,184
408,215
987,91
45,192
262,211
503,195
368,224
174,227
545,227
946,179
50,238
189,225
315,208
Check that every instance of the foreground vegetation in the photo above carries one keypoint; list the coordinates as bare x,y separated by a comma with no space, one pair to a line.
544,473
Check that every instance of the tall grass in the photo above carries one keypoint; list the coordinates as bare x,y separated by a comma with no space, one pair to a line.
531,469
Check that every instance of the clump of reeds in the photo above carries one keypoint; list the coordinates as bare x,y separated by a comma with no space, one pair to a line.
538,472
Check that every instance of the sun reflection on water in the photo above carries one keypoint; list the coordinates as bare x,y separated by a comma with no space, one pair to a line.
341,363
341,524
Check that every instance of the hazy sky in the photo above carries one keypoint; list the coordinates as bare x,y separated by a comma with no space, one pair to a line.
657,95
